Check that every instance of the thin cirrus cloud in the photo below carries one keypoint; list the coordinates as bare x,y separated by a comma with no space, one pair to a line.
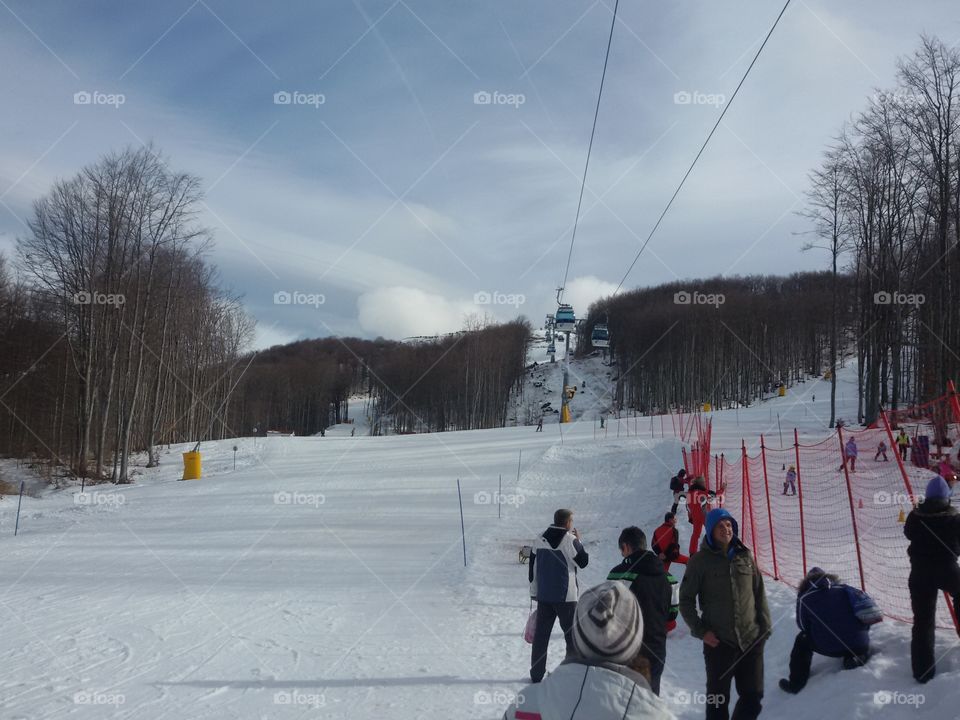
399,198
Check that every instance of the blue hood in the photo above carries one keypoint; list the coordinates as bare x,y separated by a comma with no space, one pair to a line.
937,489
715,516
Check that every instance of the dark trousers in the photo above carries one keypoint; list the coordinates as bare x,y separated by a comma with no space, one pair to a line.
726,663
925,583
547,613
903,452
656,671
802,656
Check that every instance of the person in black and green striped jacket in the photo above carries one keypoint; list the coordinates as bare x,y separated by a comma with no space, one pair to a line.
643,571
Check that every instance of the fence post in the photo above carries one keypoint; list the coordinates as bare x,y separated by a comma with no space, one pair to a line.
766,487
853,514
743,482
803,532
753,524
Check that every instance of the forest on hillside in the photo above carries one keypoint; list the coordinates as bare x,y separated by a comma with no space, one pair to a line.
883,205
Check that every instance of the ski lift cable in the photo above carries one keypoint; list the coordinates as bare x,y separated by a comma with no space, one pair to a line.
702,147
583,183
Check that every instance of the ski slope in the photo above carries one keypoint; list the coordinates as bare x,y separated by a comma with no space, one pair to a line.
324,577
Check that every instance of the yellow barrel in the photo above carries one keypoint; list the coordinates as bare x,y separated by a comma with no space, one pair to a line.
783,390
707,407
191,466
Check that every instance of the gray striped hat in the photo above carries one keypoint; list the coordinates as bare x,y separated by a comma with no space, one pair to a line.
608,626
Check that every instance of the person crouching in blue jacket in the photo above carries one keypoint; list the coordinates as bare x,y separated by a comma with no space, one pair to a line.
834,620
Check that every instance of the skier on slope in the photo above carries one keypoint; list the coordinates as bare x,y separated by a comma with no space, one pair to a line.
790,479
850,455
933,529
666,542
881,451
903,444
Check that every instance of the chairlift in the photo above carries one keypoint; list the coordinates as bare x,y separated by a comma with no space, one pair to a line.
600,337
565,321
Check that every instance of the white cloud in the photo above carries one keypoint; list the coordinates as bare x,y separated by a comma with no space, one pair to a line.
399,312
581,292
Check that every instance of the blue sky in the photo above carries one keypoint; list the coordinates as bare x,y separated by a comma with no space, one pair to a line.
399,198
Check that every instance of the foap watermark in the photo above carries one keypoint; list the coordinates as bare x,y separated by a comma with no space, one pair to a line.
894,697
299,498
885,498
99,499
98,298
497,697
685,697
499,298
898,298
496,97
495,498
95,97
900,99
686,97
90,697
295,97
296,697
698,298
296,297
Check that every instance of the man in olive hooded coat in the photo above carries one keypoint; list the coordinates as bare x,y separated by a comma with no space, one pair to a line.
733,619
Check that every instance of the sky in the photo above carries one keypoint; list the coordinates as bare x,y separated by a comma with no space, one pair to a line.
395,167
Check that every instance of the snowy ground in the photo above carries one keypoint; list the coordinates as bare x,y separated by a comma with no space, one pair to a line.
324,578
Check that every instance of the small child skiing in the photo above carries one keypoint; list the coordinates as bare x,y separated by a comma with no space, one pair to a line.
850,455
881,451
540,424
790,480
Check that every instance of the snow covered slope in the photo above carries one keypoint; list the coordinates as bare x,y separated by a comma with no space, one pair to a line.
324,577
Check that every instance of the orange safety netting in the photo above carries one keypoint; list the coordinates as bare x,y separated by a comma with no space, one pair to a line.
847,514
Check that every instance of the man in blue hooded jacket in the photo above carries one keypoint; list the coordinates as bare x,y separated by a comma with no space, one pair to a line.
733,618
834,620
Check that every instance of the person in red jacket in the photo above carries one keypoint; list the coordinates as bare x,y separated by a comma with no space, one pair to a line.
698,505
666,542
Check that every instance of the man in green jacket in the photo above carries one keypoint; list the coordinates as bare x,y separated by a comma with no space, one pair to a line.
733,619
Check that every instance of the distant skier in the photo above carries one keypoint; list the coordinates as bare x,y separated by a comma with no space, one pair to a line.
933,529
903,444
353,432
540,424
790,480
601,423
881,451
678,484
666,542
850,455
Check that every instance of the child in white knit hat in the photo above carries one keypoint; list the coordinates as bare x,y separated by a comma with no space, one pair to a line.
598,682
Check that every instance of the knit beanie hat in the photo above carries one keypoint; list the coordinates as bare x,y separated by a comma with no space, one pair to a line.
608,626
937,489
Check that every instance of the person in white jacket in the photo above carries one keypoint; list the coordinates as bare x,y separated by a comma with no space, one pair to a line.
595,683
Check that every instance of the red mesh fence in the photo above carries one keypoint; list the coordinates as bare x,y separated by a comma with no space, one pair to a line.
850,501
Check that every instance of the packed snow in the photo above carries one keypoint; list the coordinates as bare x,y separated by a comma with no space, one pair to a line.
324,577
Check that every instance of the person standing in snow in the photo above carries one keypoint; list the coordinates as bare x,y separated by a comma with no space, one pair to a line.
643,573
733,619
903,443
849,453
834,620
790,480
554,560
678,484
881,450
698,505
666,542
598,680
933,529
540,424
